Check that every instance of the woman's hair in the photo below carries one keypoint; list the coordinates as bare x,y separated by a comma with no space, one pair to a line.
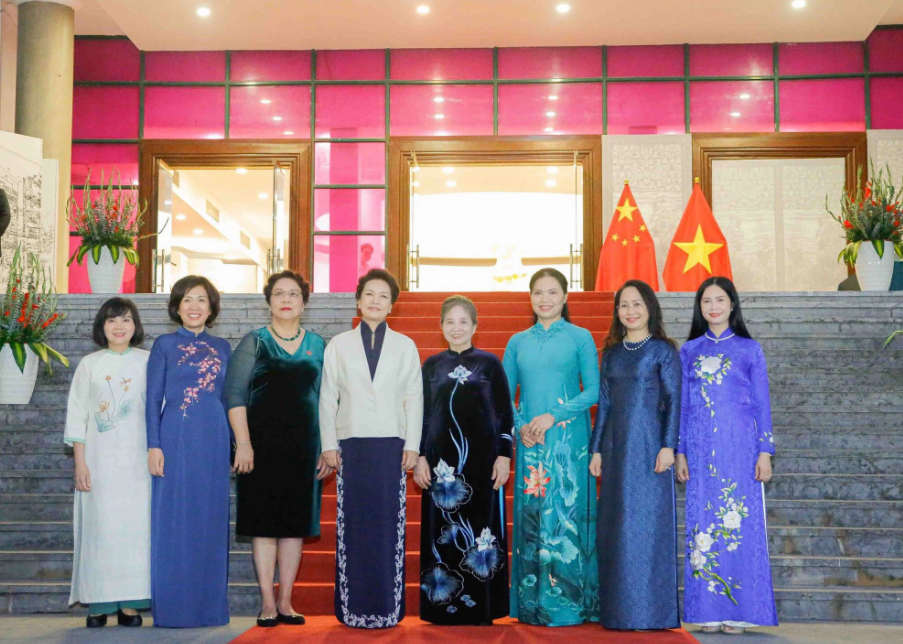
377,274
699,325
298,278
113,308
617,332
180,288
458,300
561,279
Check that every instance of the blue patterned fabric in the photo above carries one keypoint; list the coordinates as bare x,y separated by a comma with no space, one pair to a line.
638,415
725,425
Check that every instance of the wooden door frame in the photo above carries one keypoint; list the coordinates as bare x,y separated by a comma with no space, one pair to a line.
850,146
498,150
180,153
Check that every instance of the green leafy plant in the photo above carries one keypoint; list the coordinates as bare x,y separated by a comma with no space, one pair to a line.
872,213
112,221
28,311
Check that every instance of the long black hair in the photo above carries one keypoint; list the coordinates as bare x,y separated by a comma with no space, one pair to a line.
699,325
562,281
617,332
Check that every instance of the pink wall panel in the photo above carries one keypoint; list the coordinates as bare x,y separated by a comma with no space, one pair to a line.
104,160
357,64
820,58
886,50
184,112
731,60
441,64
342,209
106,60
105,112
530,109
887,113
185,66
441,110
550,62
287,115
832,105
646,108
652,60
356,111
340,260
270,66
350,163
732,106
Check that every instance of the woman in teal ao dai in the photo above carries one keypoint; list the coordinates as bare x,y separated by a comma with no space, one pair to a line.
554,579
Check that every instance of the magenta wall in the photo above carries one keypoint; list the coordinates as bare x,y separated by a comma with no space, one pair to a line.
351,102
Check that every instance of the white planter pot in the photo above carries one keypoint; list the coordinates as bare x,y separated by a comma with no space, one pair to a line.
874,273
16,387
106,275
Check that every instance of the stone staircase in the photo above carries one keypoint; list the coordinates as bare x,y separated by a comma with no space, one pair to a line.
835,506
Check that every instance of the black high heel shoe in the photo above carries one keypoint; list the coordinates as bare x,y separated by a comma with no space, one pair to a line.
267,622
294,619
95,621
128,620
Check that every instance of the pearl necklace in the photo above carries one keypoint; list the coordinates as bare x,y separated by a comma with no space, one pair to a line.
717,340
291,339
638,344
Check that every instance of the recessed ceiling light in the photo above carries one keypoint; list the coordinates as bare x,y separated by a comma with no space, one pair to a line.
262,195
563,8
439,99
448,169
735,114
745,97
241,170
204,12
277,118
288,133
416,184
181,217
451,184
550,114
551,183
549,129
198,231
552,170
265,101
798,4
553,97
423,10
439,117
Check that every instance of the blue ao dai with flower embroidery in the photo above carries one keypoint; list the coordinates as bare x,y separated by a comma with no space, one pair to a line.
725,425
186,418
554,580
467,425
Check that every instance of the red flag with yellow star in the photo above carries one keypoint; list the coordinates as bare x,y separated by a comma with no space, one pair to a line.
698,250
628,252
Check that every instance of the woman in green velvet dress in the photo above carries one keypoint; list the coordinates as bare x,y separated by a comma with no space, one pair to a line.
272,392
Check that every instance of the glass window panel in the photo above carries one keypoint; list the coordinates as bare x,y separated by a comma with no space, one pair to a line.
646,108
105,112
347,163
653,60
441,64
103,160
550,62
529,109
106,60
342,209
732,106
441,110
287,114
885,98
340,260
356,111
184,112
360,64
269,66
833,105
886,50
185,66
731,60
820,58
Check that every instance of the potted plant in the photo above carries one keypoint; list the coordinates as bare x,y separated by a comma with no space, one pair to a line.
871,214
108,226
27,315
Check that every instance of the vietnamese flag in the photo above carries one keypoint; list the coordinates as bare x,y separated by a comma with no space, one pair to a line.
698,250
628,252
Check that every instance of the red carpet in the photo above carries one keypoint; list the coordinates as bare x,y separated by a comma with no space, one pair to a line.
323,630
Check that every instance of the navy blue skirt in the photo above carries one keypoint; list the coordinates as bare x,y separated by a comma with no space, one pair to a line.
370,531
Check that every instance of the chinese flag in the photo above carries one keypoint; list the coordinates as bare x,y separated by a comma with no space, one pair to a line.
698,250
628,252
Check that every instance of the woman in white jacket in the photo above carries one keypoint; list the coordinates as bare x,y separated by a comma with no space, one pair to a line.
371,415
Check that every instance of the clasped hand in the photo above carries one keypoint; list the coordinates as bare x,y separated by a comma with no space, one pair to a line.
535,431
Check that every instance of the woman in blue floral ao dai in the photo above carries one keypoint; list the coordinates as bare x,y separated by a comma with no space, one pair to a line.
724,456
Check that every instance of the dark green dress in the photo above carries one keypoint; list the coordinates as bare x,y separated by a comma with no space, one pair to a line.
280,498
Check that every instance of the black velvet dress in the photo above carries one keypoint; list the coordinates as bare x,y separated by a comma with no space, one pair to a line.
467,424
280,498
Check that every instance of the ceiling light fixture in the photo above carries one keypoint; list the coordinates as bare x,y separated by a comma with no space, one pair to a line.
798,4
203,12
549,129
439,117
262,195
277,118
735,114
550,114
744,97
552,170
553,97
451,184
265,101
448,169
181,217
563,8
288,133
551,183
198,231
241,170
439,99
423,10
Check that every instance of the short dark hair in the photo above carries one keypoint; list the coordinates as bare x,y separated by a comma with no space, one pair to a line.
458,300
298,278
113,308
181,287
377,274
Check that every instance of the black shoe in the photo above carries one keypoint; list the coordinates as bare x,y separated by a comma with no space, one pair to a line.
267,622
96,621
128,620
292,620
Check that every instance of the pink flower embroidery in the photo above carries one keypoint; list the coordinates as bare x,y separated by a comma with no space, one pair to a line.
208,367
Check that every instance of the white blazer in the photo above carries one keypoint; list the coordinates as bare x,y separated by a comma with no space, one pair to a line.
354,406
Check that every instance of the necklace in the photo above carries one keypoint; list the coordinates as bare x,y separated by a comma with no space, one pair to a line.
717,340
291,339
638,344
